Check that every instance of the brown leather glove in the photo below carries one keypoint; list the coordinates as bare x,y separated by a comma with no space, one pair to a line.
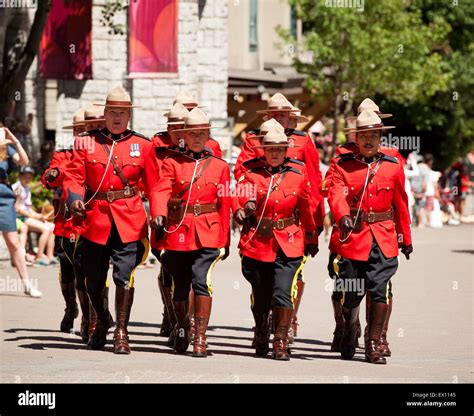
250,208
407,250
311,249
158,224
346,225
240,216
78,209
52,175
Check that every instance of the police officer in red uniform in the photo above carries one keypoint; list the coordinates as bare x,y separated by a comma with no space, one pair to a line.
64,230
369,204
191,205
351,146
189,102
273,241
165,143
102,188
301,148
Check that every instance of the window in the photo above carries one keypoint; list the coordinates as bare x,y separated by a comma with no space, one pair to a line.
253,38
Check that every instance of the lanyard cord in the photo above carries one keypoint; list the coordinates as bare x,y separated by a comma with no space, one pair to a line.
187,202
360,205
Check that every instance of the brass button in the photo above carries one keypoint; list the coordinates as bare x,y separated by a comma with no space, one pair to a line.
370,195
372,181
276,202
134,163
116,157
294,193
182,182
94,161
388,187
371,208
115,172
111,187
197,200
199,187
352,188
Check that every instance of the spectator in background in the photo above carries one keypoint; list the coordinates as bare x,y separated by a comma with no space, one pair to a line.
418,186
35,221
12,153
47,150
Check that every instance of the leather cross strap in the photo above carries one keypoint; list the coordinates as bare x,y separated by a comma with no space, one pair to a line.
188,186
116,167
371,176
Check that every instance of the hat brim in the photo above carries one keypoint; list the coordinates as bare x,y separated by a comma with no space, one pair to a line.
74,125
276,145
356,130
117,105
277,110
196,128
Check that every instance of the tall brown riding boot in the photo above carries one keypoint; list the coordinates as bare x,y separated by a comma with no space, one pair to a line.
72,311
339,330
383,338
99,321
192,327
293,331
349,337
123,302
368,314
85,320
282,319
167,324
105,294
373,353
181,329
202,312
262,334
170,314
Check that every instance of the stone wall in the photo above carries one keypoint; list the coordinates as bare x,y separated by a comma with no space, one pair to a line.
202,66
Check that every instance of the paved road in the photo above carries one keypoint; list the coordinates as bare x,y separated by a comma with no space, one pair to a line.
430,333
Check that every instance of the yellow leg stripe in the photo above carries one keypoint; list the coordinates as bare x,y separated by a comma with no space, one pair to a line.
386,294
305,259
335,265
75,245
294,288
209,272
144,257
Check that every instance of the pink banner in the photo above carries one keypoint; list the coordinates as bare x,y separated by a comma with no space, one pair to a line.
65,48
153,36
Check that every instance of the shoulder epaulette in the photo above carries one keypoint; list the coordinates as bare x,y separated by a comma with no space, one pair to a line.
256,132
345,157
160,133
141,135
297,132
89,132
294,170
388,158
295,161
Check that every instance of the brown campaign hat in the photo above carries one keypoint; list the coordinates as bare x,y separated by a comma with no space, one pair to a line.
77,120
275,137
92,114
278,102
177,114
118,97
196,120
266,126
368,120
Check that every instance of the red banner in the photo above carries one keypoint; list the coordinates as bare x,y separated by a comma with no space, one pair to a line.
153,36
65,49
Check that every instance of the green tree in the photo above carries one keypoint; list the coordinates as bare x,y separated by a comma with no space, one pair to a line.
386,49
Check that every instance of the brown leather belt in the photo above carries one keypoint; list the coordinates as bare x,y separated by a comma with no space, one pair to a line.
198,209
267,225
369,217
111,196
